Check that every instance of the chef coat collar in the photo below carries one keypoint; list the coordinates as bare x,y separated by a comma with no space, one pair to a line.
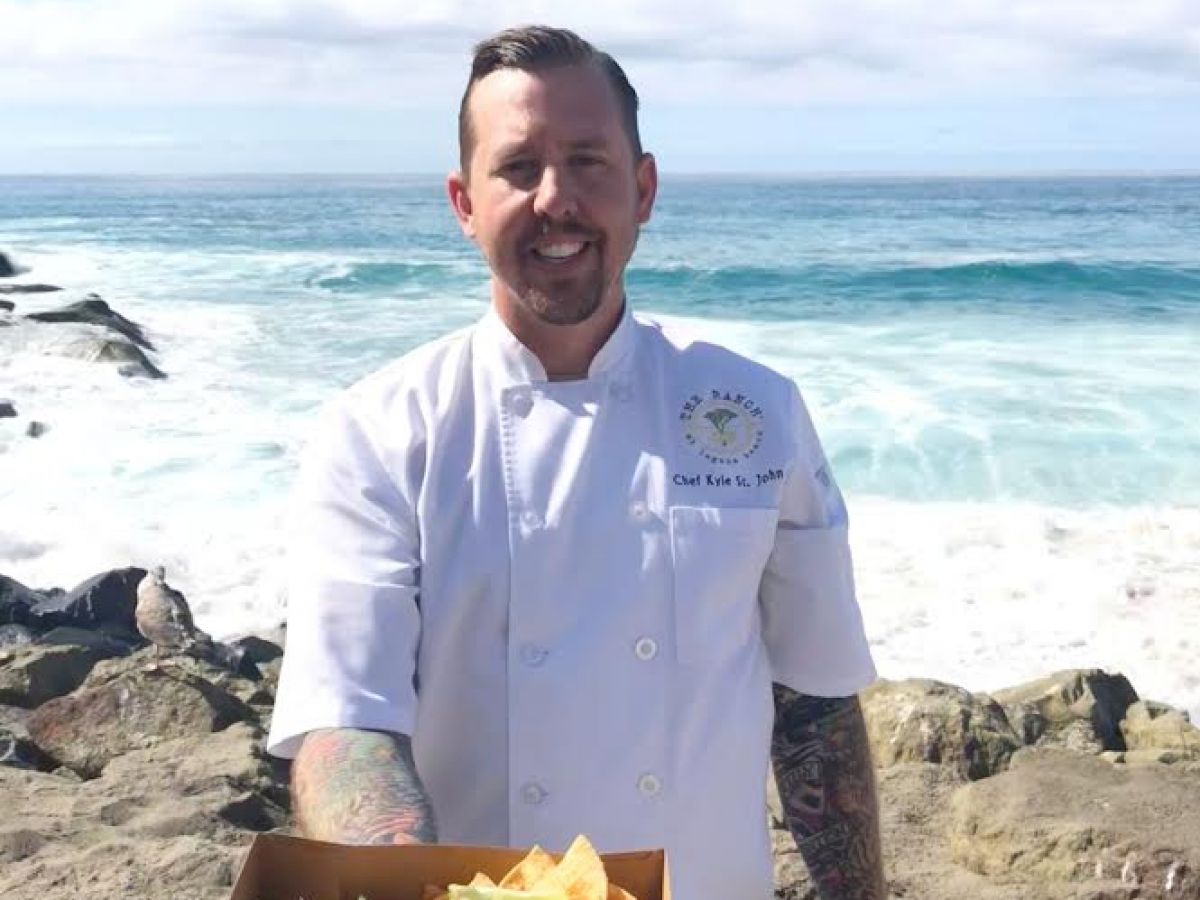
501,348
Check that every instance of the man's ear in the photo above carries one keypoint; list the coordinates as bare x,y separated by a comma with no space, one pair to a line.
647,184
460,202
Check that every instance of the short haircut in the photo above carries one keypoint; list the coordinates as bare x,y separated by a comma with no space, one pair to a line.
538,48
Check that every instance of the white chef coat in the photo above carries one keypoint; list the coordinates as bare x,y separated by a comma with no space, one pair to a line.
593,582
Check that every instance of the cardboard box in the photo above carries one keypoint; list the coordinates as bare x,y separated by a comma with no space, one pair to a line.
280,867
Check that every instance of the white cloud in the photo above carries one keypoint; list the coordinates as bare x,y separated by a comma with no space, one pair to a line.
415,52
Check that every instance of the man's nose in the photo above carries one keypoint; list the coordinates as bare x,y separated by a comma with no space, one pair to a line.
555,197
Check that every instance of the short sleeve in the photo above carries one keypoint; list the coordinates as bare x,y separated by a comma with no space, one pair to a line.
352,577
812,625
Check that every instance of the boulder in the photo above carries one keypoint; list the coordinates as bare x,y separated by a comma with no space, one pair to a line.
28,288
34,674
35,429
921,720
1160,733
7,306
1080,709
108,597
99,348
7,269
7,410
127,705
1073,824
16,601
170,820
95,311
258,649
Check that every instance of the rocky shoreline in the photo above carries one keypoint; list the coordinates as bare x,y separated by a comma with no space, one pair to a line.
125,776
98,334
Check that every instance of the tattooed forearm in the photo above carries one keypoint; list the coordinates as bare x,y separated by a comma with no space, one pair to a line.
360,787
827,787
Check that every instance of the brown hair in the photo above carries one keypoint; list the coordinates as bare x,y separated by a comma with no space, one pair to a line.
536,48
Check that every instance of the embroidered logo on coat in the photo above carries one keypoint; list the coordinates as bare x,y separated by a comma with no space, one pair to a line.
723,427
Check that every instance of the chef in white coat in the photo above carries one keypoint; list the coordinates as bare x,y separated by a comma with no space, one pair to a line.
554,573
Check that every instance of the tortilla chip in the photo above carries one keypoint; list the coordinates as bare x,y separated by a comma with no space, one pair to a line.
579,875
618,893
481,880
536,865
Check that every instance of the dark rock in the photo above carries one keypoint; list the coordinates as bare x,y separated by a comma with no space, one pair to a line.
16,601
122,634
140,367
31,675
96,312
16,749
69,635
257,649
128,706
108,597
7,269
35,429
7,410
234,659
28,288
1080,709
7,306
15,636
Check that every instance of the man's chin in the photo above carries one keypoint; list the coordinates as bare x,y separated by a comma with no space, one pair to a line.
560,310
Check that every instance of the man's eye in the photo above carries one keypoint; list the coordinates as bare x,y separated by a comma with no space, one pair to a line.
519,167
586,160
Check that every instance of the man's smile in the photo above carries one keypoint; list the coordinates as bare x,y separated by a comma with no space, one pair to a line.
560,250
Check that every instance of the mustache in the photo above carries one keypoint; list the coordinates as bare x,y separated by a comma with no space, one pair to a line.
564,231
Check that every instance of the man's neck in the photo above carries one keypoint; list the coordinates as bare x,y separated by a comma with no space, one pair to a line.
565,351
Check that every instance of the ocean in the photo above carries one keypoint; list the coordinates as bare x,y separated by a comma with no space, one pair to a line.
1003,371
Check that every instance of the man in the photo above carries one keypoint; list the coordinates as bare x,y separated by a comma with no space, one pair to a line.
548,572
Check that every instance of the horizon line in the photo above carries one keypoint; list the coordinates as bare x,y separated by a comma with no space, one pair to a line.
716,173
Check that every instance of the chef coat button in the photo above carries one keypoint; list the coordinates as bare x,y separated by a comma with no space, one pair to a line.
646,648
533,793
640,511
521,404
530,519
649,784
533,655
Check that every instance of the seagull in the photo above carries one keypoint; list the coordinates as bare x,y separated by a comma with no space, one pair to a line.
164,619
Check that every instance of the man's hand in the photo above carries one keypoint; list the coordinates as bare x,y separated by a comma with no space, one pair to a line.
827,787
360,787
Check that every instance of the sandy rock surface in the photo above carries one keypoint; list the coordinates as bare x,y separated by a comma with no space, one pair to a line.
126,776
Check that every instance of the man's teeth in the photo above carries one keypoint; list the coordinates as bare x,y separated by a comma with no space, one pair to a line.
560,251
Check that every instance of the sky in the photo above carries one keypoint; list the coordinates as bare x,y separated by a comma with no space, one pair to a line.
740,86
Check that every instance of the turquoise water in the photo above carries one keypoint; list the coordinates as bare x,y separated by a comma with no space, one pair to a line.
974,339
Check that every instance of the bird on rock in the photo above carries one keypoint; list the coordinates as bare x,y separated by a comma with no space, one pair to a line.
164,619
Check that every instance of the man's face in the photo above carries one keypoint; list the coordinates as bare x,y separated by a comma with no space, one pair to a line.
553,195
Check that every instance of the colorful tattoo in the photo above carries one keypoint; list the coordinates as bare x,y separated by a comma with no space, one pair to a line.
827,788
360,787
